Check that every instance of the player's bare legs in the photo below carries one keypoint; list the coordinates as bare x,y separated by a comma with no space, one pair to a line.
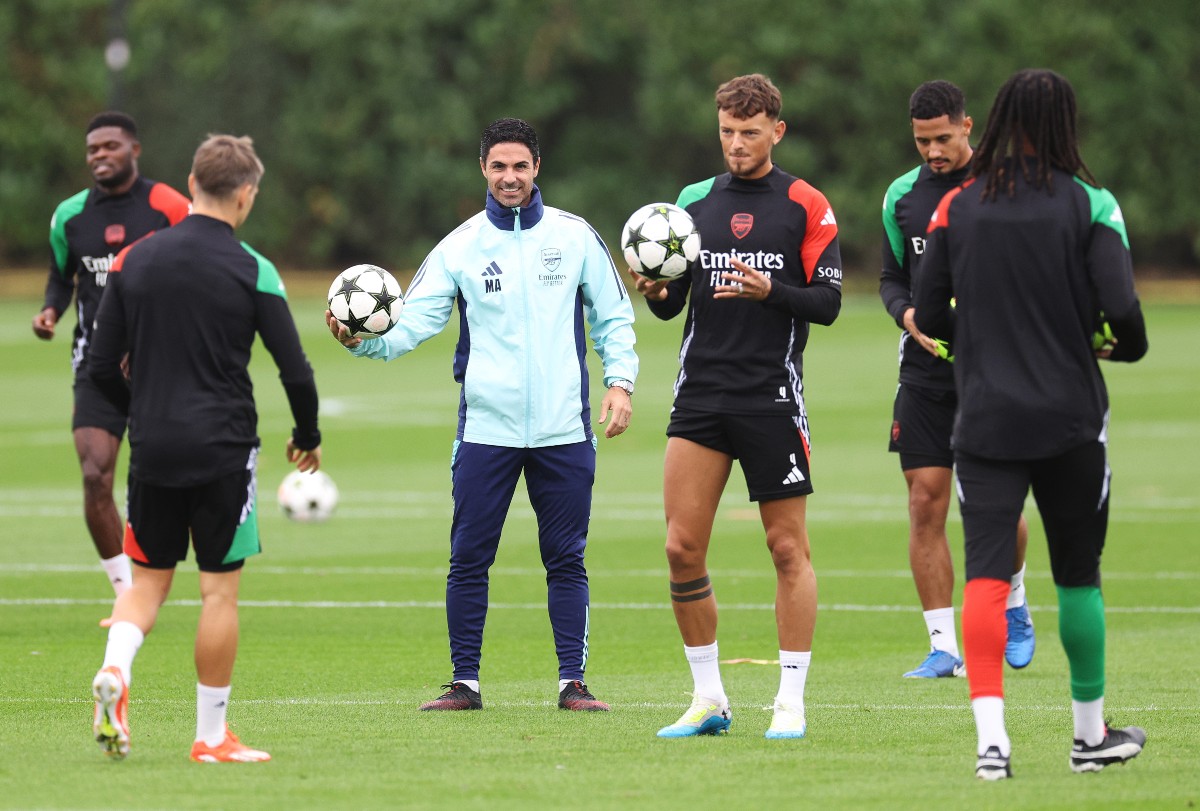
795,609
134,614
1022,542
140,603
928,546
796,582
97,451
929,490
693,479
932,568
216,649
217,631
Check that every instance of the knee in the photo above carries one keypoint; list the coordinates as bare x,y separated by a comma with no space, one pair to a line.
217,601
97,485
684,553
927,506
790,553
97,476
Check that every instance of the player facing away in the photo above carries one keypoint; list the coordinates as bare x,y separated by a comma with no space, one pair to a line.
530,281
87,231
769,265
186,305
923,413
1033,249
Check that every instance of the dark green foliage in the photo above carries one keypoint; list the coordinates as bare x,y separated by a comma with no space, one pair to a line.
368,112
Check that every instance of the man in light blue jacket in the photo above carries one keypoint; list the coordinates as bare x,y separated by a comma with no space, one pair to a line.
526,277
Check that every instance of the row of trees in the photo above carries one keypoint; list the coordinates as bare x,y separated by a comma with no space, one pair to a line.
368,112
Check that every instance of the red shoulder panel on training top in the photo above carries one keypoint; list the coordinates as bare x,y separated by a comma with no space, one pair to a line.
170,202
821,228
941,214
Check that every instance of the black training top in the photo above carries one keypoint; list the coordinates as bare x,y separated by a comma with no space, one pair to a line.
1031,275
907,207
186,304
87,231
740,356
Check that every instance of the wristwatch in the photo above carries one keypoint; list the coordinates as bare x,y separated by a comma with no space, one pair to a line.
622,383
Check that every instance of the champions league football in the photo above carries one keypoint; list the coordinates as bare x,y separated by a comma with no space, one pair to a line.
308,497
660,241
366,299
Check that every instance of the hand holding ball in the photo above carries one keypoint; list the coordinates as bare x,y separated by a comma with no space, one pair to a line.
367,300
660,241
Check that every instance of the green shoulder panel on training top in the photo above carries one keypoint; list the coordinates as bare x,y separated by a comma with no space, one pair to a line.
58,227
900,187
1105,210
269,280
694,192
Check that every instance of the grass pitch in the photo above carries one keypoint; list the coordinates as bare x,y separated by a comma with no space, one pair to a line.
343,627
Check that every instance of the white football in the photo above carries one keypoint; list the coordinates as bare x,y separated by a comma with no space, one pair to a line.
366,299
660,241
309,497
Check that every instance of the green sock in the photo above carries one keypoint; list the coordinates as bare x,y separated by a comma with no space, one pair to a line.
1081,628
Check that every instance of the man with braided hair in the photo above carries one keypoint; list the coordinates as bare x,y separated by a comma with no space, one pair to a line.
1033,250
923,413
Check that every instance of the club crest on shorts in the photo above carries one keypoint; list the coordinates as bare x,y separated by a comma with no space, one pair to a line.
895,430
741,224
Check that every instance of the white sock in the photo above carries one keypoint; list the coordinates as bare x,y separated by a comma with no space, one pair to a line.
989,724
1089,720
1016,589
562,683
120,573
706,672
942,636
211,705
793,670
474,684
124,639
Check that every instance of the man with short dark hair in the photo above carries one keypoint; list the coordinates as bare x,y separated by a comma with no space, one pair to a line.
526,278
1036,253
87,231
769,266
923,413
193,429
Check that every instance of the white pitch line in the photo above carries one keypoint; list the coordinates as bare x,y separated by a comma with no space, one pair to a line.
816,514
656,606
963,707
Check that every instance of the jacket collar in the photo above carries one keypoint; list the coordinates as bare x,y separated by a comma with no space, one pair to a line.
505,218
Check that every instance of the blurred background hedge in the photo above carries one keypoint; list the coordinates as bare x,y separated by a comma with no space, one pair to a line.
367,113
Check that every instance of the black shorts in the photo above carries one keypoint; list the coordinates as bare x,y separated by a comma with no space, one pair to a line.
221,517
773,449
922,422
1071,491
93,409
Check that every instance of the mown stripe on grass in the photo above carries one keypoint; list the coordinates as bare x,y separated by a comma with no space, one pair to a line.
963,707
526,571
656,606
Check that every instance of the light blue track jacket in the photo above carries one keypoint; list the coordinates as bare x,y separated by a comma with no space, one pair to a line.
525,280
